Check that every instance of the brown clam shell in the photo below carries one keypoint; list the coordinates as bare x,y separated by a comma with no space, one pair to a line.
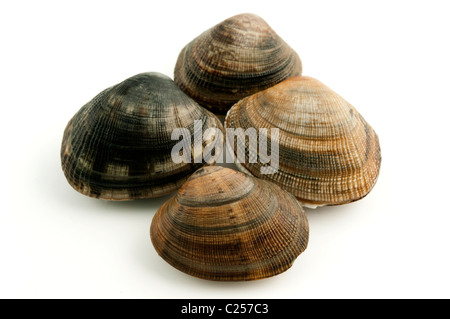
118,146
236,58
328,153
228,226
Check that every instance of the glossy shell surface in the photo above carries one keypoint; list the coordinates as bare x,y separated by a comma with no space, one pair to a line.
118,146
328,153
236,58
224,225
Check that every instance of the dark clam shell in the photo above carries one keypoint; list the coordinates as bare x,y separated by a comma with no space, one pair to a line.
118,146
228,226
236,58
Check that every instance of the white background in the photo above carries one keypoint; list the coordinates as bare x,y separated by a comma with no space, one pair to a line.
390,59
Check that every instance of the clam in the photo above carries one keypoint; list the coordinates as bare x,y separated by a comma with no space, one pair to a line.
228,226
236,58
328,154
118,146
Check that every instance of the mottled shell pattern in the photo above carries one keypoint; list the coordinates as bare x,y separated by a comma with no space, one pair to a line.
118,146
328,153
236,58
228,226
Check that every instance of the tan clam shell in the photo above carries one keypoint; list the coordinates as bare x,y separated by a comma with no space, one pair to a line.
228,226
118,146
328,153
236,58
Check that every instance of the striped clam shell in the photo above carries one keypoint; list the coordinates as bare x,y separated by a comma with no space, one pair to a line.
236,58
328,153
224,225
118,146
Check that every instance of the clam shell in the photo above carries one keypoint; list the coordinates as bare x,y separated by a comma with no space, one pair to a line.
228,226
236,58
118,146
328,153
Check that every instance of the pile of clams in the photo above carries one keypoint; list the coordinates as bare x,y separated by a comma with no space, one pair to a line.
223,224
